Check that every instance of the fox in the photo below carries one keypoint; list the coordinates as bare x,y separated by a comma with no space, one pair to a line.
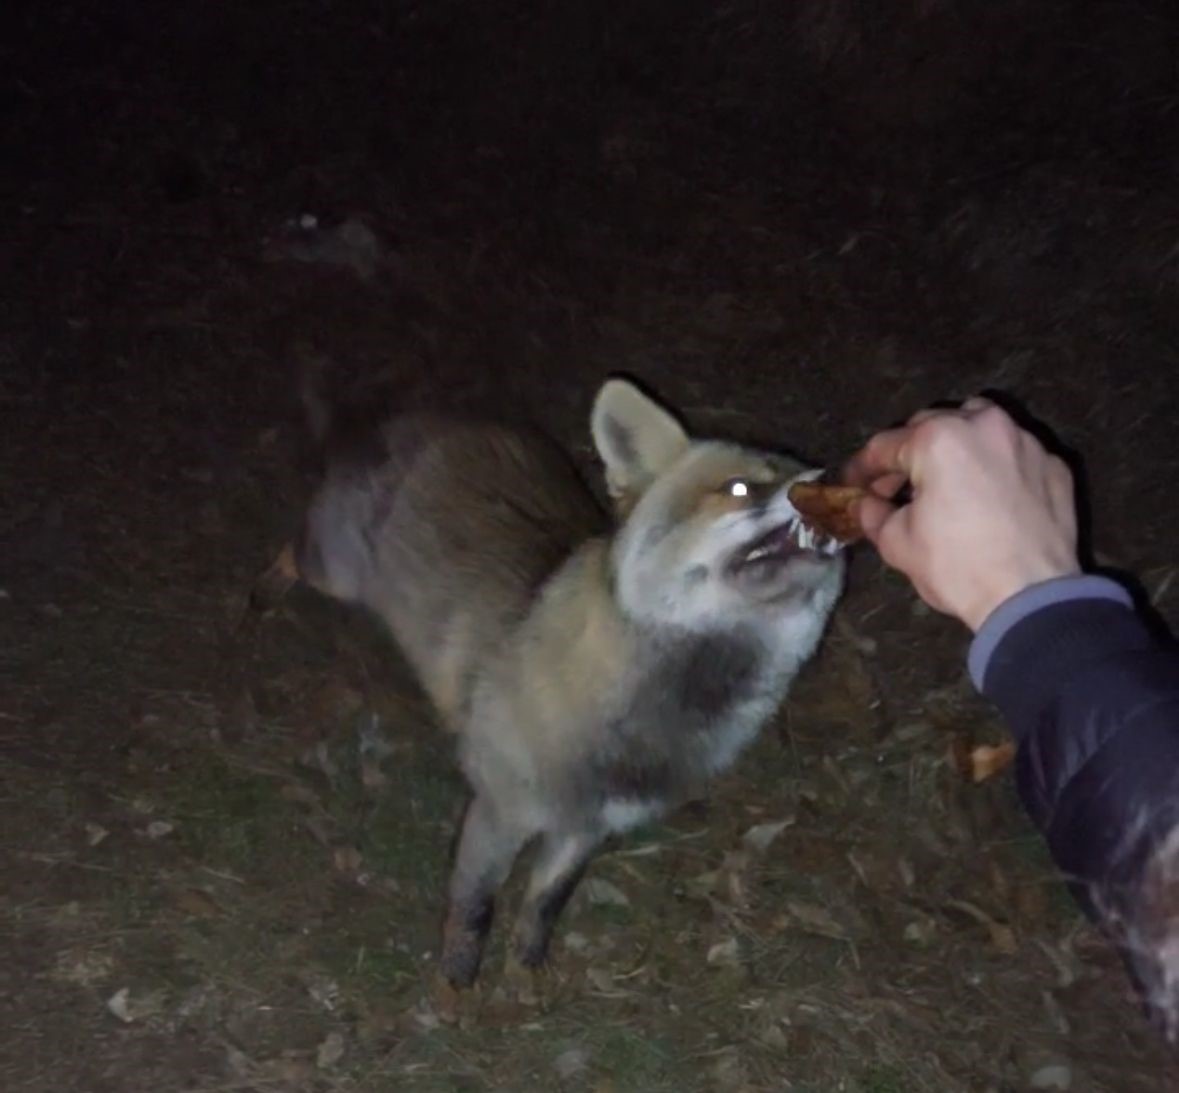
597,662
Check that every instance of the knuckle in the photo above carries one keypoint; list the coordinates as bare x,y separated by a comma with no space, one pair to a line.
996,418
939,435
1060,472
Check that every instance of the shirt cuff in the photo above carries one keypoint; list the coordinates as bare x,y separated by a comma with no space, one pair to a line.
1034,598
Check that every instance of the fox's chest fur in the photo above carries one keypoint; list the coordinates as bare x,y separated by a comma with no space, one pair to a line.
583,710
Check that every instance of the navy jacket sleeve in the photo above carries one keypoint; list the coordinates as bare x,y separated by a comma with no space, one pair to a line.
1092,698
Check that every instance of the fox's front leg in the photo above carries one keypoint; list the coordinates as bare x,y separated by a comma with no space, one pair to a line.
560,864
487,847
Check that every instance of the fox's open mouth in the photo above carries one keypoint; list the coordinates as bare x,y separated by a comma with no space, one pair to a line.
780,544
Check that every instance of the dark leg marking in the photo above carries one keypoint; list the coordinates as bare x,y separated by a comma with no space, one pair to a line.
559,868
487,847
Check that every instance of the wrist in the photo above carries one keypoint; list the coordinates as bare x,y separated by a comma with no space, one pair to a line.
1008,585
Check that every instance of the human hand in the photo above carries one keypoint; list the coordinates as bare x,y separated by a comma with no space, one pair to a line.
991,512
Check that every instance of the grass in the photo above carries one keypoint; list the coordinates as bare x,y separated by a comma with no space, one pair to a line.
232,820
884,1079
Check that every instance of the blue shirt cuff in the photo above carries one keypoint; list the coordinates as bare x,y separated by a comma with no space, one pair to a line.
1034,598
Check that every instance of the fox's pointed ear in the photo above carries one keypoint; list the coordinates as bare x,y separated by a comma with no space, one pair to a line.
636,437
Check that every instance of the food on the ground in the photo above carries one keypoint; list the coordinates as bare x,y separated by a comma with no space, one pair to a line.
984,762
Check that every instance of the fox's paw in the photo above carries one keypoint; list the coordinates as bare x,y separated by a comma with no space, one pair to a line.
462,953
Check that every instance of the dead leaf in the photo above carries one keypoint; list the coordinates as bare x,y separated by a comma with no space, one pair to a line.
773,1037
372,737
347,859
1068,965
319,758
445,1005
815,920
569,1064
330,1052
295,1075
1002,935
760,836
521,986
300,794
371,776
1058,1076
982,763
128,1009
603,982
197,902
95,833
729,1073
602,893
734,875
920,932
724,953
159,829
200,1000
325,991
703,885
1000,885
238,1062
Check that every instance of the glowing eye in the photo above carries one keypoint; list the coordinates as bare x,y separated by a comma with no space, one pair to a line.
738,487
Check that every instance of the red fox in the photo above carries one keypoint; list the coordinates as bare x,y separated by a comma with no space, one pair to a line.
596,671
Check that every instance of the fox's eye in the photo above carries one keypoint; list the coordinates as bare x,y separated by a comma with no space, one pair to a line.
736,487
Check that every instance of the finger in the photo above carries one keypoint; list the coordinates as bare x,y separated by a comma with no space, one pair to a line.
887,485
894,539
882,455
1061,488
925,415
872,513
963,409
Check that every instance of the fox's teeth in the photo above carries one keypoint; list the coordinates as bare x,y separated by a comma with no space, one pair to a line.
802,534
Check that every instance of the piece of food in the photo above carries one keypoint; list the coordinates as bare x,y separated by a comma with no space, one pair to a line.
826,509
981,763
986,762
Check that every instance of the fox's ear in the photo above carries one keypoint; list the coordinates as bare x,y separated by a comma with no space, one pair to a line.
636,437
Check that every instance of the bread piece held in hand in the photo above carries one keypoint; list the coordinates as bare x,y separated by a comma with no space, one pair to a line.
826,509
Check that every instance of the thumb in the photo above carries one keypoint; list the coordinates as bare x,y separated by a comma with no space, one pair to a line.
890,530
873,513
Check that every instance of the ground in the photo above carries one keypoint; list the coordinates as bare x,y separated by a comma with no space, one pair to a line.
225,843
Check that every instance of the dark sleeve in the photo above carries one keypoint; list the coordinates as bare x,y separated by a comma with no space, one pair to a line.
1092,699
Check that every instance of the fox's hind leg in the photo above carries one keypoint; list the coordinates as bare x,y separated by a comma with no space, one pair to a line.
487,848
560,864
